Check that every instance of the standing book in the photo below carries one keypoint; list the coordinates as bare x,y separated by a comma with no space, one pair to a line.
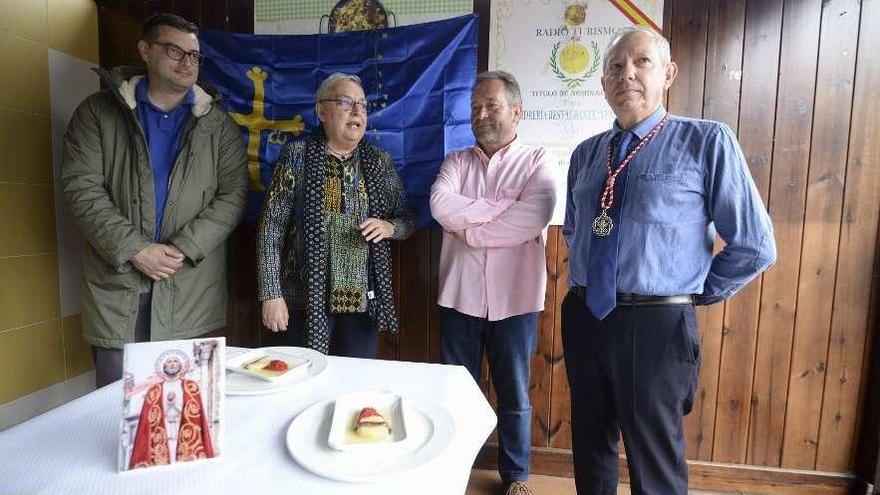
172,403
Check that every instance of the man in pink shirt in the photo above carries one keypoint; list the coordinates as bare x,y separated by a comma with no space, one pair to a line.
494,202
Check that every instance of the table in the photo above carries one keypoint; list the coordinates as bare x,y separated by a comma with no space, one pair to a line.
73,448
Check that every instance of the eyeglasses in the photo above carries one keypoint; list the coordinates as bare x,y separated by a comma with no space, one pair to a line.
348,104
177,53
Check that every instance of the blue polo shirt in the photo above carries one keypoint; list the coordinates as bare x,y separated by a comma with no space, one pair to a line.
163,131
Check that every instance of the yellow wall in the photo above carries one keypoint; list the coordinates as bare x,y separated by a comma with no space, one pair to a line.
37,346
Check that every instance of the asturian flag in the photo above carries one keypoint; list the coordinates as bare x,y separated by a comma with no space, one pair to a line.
417,79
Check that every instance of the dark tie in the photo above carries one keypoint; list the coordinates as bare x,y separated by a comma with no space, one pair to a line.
602,261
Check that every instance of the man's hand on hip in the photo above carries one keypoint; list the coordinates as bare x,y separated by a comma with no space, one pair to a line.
158,261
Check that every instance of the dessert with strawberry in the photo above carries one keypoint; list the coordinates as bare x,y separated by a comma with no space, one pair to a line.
372,426
268,366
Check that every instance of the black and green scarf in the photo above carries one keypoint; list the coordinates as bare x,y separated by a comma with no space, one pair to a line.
381,306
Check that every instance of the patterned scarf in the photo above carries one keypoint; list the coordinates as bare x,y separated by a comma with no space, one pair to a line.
381,306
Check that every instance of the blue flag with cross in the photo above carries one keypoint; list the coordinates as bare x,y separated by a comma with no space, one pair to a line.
417,79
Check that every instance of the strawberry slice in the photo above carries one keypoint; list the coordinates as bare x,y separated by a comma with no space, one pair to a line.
276,365
366,412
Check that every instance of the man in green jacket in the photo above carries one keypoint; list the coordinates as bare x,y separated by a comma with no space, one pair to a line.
155,175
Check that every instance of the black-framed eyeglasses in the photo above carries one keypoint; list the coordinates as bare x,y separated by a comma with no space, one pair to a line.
349,104
177,53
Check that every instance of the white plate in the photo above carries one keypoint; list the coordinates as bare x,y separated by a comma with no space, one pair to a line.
429,431
346,409
240,384
298,365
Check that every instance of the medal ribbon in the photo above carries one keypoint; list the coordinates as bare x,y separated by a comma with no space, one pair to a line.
607,198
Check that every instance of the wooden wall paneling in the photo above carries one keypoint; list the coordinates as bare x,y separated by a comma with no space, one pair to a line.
212,14
738,337
700,425
733,478
856,280
434,328
388,342
240,16
483,10
867,456
798,55
415,276
245,327
838,38
688,42
188,9
816,284
118,32
541,384
559,434
688,26
724,61
763,28
713,477
157,6
667,19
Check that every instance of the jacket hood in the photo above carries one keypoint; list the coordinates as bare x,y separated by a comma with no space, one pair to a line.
123,81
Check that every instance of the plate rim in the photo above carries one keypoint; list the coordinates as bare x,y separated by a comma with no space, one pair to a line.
435,412
320,363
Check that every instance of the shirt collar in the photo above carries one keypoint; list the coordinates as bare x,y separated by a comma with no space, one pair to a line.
141,95
503,151
644,127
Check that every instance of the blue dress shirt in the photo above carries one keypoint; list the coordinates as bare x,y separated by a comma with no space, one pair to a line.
690,181
163,132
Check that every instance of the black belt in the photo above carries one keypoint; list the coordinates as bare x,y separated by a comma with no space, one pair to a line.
624,299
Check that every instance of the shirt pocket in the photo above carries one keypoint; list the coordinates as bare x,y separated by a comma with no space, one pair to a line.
662,198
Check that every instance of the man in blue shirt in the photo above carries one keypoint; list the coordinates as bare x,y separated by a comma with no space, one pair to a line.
645,201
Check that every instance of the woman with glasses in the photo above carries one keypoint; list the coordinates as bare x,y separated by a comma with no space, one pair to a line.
323,256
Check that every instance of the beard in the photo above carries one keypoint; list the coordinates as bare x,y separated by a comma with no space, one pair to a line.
486,134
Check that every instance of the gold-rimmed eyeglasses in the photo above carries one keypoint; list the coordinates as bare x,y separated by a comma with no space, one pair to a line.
177,53
348,104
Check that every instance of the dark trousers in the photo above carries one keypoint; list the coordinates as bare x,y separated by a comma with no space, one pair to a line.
108,362
509,345
351,334
634,372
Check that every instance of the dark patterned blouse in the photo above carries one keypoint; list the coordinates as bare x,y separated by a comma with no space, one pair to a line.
280,248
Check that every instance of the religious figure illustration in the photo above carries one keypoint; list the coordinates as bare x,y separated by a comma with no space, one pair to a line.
173,415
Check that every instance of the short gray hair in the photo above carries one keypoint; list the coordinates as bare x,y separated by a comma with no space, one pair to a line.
332,80
514,95
660,42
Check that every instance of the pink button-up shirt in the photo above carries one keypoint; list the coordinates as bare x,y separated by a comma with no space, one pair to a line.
503,206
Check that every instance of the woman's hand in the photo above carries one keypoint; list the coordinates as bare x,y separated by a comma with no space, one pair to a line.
375,229
275,314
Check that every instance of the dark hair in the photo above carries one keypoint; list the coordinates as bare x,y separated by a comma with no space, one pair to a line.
148,31
514,95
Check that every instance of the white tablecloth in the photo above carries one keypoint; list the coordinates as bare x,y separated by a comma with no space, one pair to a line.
73,449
